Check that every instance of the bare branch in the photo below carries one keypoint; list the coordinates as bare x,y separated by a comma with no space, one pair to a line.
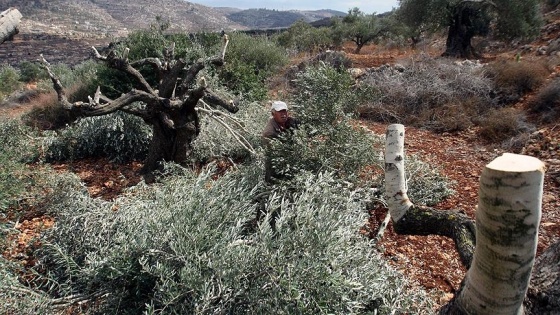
123,65
208,110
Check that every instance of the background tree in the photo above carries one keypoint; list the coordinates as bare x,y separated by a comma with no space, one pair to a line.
303,37
164,93
361,28
465,19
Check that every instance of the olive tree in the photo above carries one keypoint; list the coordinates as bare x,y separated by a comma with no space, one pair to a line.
361,28
465,19
170,106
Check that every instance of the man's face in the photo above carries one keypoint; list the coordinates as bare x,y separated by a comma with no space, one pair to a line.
280,116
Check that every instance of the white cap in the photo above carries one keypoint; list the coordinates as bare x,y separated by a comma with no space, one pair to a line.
279,105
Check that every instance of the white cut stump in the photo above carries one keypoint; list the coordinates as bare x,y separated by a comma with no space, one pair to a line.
507,222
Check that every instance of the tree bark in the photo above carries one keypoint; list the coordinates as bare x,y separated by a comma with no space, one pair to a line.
410,219
543,297
507,221
460,34
9,22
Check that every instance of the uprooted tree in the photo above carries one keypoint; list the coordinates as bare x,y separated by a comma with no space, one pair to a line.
170,108
507,223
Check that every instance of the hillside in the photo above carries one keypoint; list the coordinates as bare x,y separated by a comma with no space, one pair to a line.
114,18
264,18
103,18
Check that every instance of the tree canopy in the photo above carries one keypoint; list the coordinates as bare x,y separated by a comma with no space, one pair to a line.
465,19
361,28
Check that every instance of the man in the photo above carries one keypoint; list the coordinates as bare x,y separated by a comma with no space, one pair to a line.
280,122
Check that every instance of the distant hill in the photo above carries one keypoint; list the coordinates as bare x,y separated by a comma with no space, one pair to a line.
115,18
266,19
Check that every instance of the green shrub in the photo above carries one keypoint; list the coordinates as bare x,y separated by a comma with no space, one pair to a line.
180,248
118,136
31,72
303,37
18,146
327,139
9,80
250,61
64,74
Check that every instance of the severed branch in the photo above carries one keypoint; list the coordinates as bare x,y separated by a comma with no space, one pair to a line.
215,100
94,107
62,302
216,115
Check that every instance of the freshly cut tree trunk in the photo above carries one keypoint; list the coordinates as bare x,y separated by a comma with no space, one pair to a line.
9,21
395,183
507,223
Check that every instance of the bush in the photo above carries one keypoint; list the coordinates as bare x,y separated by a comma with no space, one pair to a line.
327,139
546,103
502,124
118,136
9,80
31,72
303,37
432,93
16,149
192,256
517,78
250,61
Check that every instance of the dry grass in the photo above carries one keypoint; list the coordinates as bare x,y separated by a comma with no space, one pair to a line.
501,124
546,103
47,114
518,77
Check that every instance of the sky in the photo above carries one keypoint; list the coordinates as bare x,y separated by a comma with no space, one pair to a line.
368,7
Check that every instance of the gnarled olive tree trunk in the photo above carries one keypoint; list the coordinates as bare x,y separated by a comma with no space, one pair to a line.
507,223
468,19
170,107
411,219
